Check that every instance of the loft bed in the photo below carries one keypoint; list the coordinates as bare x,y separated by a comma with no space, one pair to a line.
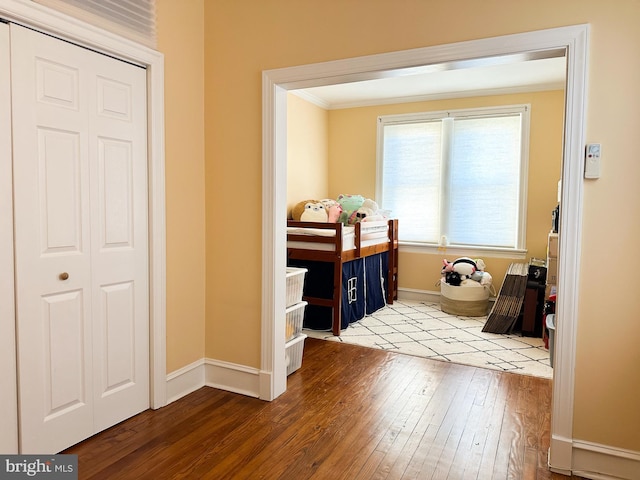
335,255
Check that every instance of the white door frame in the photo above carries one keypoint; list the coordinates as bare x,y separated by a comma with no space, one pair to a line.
8,393
275,85
44,19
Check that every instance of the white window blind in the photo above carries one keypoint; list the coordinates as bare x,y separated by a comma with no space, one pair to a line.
132,19
456,178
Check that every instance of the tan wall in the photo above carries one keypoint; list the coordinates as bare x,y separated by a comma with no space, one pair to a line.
352,169
244,38
307,151
181,40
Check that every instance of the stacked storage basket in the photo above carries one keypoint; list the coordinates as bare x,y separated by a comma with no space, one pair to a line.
294,345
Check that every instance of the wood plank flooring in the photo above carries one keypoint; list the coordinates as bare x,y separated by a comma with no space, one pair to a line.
349,413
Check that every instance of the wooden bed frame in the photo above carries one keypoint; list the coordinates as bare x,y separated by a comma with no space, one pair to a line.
338,258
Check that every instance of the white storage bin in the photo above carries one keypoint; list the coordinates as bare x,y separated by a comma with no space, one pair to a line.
295,282
551,326
293,353
295,316
464,301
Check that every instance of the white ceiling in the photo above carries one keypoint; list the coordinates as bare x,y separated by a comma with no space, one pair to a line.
463,79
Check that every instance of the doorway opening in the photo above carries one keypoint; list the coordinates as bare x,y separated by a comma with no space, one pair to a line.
332,147
277,83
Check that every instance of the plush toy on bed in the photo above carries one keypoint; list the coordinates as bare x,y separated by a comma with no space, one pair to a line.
350,203
333,209
309,211
364,212
356,208
373,212
325,210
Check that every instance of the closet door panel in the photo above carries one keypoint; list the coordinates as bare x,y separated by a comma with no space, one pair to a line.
60,208
62,320
52,243
117,154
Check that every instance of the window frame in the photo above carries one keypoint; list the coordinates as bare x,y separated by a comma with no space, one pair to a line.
524,110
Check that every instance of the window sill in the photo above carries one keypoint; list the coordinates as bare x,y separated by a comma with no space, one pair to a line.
463,251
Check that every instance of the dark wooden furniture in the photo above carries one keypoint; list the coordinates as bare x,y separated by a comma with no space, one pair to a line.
532,309
336,256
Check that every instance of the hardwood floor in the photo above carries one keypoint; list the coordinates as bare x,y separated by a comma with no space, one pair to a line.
349,413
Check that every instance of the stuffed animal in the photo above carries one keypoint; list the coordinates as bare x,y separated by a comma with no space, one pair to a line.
356,208
364,212
480,265
309,211
486,279
328,202
314,212
333,213
480,276
466,272
463,266
333,209
453,278
298,209
360,215
477,276
350,203
371,205
369,211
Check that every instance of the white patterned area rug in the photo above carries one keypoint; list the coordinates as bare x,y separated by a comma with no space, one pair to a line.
422,329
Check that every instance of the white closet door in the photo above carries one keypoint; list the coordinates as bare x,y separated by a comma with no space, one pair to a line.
79,160
8,395
119,239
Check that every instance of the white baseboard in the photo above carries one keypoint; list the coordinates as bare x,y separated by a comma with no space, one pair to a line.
212,373
232,377
185,380
418,295
560,454
602,462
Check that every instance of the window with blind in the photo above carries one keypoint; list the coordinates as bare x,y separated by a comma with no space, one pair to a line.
456,178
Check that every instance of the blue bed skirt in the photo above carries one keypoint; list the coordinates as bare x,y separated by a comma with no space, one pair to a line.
363,289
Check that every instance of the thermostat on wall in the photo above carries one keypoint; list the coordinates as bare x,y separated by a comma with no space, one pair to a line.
592,160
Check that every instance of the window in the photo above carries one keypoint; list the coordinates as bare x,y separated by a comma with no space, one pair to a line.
456,178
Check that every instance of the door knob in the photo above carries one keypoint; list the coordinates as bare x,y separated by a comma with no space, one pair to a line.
63,276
